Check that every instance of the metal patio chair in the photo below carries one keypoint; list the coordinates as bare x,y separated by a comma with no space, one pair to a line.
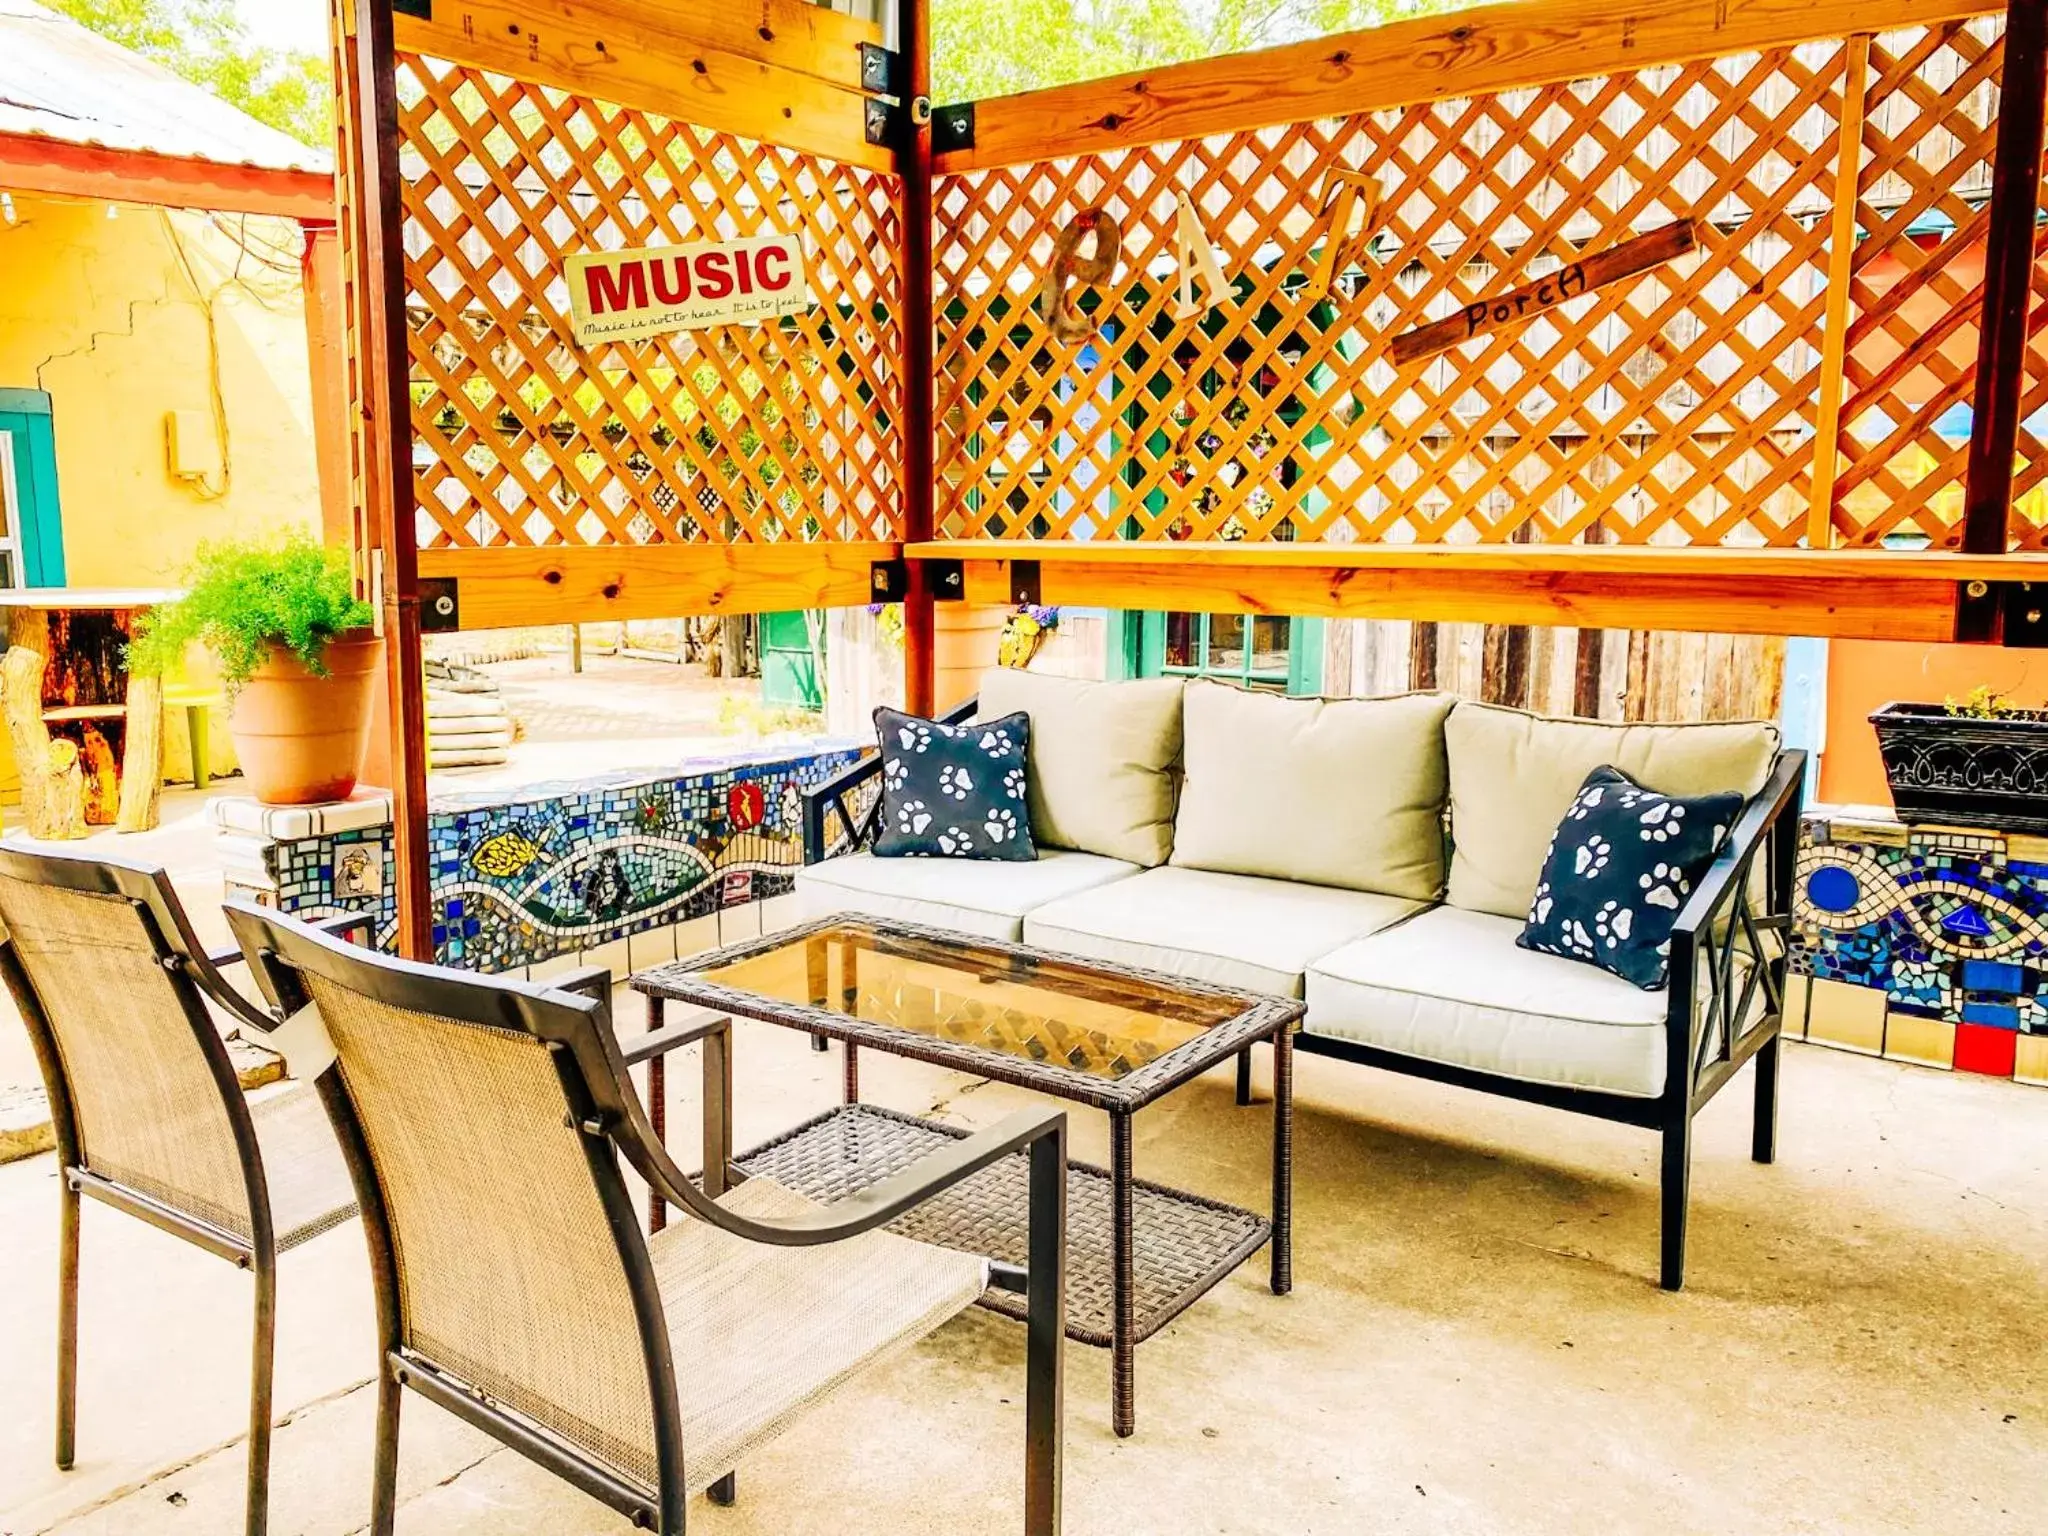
149,1115
485,1120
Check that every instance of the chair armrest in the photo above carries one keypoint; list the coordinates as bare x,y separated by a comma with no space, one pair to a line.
671,1036
591,981
832,794
1726,875
875,1207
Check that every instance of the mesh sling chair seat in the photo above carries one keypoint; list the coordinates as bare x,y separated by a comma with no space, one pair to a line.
488,1124
148,1112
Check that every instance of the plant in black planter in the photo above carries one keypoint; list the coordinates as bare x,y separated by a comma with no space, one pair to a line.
1972,762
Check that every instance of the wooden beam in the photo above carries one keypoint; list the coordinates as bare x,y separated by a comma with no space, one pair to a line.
1857,594
559,584
31,163
1834,346
798,89
920,377
1467,53
370,96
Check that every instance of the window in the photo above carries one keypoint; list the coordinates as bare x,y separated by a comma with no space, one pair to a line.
31,537
1253,650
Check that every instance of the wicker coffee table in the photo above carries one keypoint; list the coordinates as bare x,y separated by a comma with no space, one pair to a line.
1086,1031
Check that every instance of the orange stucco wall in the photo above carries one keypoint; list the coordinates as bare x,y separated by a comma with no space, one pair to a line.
1864,675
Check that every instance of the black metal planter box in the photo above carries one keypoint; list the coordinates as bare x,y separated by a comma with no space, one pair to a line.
1965,770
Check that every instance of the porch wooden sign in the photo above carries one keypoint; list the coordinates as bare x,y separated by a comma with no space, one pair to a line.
1631,258
628,295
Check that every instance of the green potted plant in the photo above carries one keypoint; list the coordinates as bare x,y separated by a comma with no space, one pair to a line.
296,656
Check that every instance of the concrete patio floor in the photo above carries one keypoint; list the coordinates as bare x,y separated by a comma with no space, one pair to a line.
1475,1343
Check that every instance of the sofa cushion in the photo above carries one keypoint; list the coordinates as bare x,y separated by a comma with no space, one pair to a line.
1346,792
1452,986
953,791
1620,867
1513,776
979,897
1101,759
1230,930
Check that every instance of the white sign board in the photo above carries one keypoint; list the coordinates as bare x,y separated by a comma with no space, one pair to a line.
626,295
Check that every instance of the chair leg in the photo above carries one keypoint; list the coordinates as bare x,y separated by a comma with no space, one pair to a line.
1045,1334
1244,1076
1763,1136
725,1492
262,1367
67,1326
1677,1190
384,1476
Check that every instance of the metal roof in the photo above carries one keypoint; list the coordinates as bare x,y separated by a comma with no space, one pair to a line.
59,80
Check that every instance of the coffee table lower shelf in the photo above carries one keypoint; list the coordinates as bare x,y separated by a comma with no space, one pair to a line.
1184,1244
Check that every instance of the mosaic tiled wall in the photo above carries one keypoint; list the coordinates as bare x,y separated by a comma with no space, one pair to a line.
1926,944
553,869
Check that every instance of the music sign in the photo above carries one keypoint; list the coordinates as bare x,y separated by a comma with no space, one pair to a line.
626,295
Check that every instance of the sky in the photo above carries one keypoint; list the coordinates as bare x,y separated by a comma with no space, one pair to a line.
299,24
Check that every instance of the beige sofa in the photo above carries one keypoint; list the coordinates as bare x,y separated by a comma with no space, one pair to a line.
1377,858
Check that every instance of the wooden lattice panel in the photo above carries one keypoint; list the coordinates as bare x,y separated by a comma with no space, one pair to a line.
739,434
1677,407
1916,293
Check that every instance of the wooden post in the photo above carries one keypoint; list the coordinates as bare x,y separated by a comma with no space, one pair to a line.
21,696
1834,347
142,755
370,98
914,155
2008,278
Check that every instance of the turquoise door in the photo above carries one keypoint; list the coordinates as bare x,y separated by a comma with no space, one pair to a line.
31,533
792,660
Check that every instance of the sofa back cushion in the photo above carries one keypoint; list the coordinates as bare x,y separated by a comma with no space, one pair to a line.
1101,760
1514,775
1344,792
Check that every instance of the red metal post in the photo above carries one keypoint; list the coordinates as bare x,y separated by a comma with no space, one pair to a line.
914,156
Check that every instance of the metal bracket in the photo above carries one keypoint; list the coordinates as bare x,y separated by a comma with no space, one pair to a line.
1024,583
953,127
440,605
948,580
2013,614
881,122
888,581
424,9
881,70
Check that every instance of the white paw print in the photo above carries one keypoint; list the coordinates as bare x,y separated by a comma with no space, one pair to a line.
1001,825
1590,857
996,743
1665,886
914,738
1660,823
1613,922
1576,939
1013,783
1539,911
894,773
954,841
954,782
1587,801
912,817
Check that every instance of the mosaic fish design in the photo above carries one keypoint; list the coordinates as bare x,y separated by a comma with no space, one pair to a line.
505,855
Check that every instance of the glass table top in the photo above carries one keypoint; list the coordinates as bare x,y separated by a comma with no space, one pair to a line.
1037,1008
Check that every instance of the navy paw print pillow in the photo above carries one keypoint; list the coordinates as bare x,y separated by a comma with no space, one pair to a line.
953,791
1621,865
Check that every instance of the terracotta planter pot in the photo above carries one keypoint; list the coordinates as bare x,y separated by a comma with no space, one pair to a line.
301,737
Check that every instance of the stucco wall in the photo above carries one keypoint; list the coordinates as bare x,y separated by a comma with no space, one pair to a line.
110,317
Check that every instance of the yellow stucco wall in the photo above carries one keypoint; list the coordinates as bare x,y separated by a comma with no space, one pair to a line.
110,316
